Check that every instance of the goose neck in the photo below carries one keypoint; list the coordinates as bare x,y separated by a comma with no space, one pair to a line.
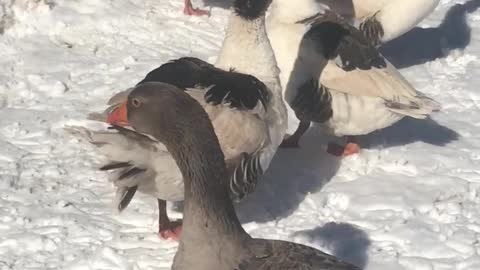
246,48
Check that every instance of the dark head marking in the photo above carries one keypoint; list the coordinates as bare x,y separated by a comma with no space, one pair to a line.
335,38
251,9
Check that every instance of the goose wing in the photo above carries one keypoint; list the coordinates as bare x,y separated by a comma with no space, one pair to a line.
355,67
236,104
282,255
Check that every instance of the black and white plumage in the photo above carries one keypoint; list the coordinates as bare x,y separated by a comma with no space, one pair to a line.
244,174
238,90
372,29
236,103
251,9
242,96
336,40
313,102
212,236
383,20
367,92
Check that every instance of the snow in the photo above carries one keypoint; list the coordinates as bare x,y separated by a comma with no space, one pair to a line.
409,201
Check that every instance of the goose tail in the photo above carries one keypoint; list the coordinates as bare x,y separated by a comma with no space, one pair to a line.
420,107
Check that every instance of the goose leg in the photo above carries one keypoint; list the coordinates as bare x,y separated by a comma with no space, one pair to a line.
292,140
349,149
189,10
166,228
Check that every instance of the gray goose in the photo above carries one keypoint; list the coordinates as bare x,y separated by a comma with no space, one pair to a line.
242,96
212,236
332,75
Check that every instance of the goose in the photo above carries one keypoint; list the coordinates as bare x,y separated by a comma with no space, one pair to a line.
243,98
212,236
332,75
383,20
190,10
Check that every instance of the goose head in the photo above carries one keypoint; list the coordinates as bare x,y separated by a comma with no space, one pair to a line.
251,9
158,110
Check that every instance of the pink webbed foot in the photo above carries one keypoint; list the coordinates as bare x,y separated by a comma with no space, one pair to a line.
171,231
343,151
189,10
351,149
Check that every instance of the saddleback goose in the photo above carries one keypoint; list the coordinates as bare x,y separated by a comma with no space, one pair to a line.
247,113
332,75
383,20
212,236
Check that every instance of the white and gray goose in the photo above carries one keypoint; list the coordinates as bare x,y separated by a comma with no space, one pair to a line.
332,75
212,236
383,20
243,98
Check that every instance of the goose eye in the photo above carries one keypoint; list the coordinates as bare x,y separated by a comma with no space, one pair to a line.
136,102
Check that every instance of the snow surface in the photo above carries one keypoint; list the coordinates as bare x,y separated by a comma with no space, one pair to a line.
409,201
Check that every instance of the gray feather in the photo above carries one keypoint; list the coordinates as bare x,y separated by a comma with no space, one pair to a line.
245,176
281,255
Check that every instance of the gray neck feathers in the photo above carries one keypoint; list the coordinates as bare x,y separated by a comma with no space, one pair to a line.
210,224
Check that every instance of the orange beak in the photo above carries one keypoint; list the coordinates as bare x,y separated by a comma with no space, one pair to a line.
119,116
